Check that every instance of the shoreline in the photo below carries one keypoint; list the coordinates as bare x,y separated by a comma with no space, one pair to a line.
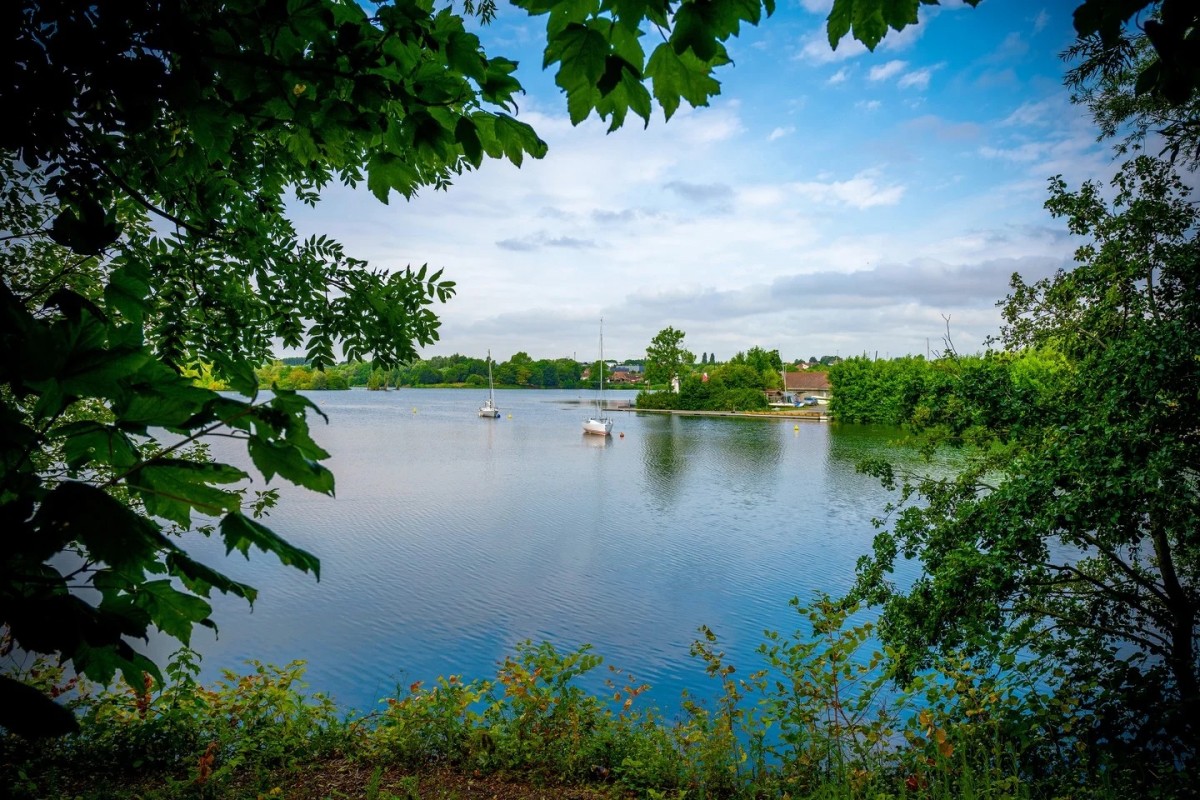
809,416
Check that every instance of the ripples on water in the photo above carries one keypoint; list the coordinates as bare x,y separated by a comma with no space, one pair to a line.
452,538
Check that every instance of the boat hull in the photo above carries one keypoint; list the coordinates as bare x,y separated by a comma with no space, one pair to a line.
488,411
598,427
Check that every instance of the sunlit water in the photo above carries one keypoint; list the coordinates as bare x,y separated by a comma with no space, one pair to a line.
453,537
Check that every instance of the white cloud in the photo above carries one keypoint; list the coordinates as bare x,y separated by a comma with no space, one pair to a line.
1038,113
839,77
868,105
862,191
1040,21
917,79
1031,151
815,49
888,70
779,133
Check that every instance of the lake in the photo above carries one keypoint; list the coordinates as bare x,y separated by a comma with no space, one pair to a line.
453,537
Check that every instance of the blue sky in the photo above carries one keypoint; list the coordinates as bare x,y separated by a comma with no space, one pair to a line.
828,202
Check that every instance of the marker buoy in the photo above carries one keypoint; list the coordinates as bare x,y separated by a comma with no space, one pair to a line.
622,434
510,416
795,427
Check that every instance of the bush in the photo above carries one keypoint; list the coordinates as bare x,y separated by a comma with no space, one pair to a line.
656,400
739,400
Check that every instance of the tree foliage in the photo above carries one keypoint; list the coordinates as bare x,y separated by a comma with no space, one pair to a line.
767,363
667,358
1073,531
1169,70
1105,78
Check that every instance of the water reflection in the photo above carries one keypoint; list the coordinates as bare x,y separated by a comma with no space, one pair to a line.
665,457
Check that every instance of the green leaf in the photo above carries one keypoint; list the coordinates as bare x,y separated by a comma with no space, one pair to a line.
171,488
387,171
101,663
869,24
240,532
127,290
238,373
273,458
517,139
837,24
696,30
675,77
202,579
581,52
173,612
464,55
111,531
87,442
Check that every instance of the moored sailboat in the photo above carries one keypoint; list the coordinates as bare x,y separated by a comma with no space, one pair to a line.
599,423
488,409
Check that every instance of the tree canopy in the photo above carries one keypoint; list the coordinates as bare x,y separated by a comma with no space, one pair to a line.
666,357
1071,533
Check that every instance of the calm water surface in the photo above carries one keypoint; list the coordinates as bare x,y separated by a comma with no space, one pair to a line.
452,538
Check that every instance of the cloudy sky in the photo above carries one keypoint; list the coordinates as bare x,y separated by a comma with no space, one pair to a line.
828,202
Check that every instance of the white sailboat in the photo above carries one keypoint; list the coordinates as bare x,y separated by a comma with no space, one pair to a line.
488,409
599,423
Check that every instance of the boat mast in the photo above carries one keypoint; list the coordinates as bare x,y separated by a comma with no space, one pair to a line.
600,402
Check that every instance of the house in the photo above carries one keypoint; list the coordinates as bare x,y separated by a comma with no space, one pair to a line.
625,373
617,373
809,383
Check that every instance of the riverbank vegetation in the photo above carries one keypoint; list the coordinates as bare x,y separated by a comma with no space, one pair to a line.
915,391
816,716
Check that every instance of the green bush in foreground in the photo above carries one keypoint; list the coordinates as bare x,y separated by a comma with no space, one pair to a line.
818,719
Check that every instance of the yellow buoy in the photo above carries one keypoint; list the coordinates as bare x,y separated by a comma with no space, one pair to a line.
795,427
414,410
510,416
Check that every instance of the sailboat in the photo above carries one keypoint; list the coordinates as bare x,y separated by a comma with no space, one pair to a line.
599,423
488,409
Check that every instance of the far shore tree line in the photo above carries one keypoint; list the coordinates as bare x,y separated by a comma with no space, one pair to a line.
520,371
867,389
